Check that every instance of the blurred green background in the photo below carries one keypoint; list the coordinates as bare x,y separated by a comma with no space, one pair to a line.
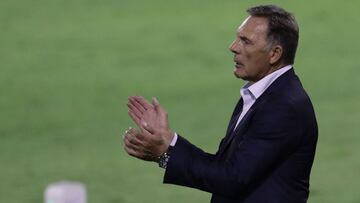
67,68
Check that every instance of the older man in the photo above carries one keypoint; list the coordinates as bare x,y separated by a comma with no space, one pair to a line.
268,150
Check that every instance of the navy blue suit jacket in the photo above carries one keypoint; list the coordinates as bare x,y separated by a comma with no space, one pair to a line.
267,159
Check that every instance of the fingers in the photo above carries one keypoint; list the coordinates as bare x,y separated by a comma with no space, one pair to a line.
135,137
132,145
131,151
144,155
149,117
134,109
134,105
142,102
130,141
139,109
136,147
134,117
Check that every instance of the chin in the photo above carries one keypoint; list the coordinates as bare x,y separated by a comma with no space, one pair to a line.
236,74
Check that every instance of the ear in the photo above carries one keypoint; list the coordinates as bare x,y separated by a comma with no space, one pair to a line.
276,54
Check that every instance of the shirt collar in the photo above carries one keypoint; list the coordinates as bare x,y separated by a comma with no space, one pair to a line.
258,88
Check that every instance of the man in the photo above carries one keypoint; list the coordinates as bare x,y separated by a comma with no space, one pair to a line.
269,147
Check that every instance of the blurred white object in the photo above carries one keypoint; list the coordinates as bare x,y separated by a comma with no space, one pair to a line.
65,192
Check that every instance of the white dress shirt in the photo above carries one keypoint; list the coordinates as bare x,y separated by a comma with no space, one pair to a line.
250,92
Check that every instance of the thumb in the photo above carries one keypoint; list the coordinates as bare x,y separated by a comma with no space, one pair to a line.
156,104
159,109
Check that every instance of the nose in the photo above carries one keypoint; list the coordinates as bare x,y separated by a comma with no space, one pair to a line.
234,47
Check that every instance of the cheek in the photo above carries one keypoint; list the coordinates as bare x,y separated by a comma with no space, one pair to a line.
249,57
256,59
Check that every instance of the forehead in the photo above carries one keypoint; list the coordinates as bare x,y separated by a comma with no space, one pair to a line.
253,27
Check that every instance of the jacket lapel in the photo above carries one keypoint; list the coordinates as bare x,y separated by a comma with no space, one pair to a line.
242,126
236,113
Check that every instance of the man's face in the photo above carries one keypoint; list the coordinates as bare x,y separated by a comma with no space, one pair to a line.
251,51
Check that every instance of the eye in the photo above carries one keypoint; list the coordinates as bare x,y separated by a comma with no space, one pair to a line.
245,40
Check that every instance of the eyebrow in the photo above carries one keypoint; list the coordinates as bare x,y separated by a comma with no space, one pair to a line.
245,39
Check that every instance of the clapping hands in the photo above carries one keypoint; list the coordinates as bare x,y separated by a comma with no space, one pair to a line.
154,135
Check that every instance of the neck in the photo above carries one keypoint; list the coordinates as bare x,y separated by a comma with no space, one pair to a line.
276,67
272,69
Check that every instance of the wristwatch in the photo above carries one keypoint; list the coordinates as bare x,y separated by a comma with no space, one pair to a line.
164,158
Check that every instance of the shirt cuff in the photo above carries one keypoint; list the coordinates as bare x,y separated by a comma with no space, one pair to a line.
173,141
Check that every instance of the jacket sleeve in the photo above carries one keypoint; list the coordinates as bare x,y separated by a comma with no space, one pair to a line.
273,133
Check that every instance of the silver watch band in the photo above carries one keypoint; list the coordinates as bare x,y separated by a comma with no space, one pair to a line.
164,158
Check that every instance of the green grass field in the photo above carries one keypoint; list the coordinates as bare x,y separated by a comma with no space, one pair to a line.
67,68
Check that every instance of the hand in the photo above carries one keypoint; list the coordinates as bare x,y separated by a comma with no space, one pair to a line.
143,145
153,123
143,113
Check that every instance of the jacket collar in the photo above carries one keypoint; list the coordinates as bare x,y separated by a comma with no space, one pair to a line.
276,85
